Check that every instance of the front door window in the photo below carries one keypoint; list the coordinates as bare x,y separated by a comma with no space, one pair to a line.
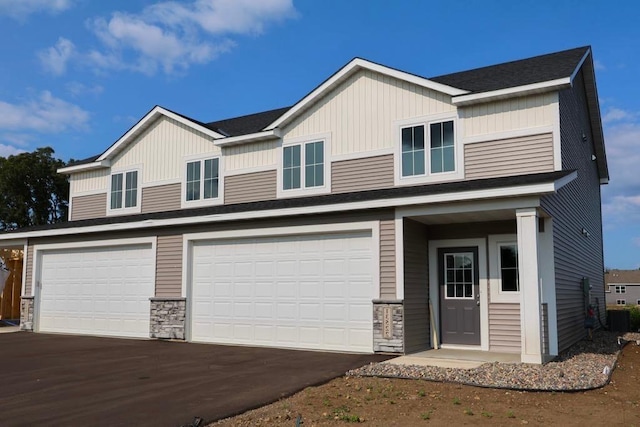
459,275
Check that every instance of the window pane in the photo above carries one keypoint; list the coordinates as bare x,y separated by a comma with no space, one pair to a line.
459,290
131,191
319,152
450,275
407,164
447,134
436,160
468,290
448,159
287,179
116,191
193,181
418,138
450,291
510,280
296,155
291,167
450,261
309,176
211,178
287,160
211,168
309,154
418,162
459,276
407,140
508,256
436,135
295,178
314,167
319,175
467,276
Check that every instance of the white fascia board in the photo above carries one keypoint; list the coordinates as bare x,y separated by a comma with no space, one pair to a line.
85,167
252,137
577,69
516,191
511,92
558,184
146,120
353,66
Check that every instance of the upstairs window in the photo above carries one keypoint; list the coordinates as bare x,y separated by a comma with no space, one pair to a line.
303,170
124,190
620,289
202,180
439,155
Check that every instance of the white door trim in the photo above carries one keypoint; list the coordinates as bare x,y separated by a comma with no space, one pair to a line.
189,239
39,250
434,245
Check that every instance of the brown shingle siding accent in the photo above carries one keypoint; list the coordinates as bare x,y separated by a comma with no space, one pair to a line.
251,187
88,207
161,198
512,156
367,173
169,266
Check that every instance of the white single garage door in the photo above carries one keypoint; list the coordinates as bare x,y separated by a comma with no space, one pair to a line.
97,291
303,291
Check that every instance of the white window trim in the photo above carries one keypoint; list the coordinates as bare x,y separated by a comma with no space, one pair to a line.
473,278
622,288
428,177
184,203
495,279
302,191
621,302
125,211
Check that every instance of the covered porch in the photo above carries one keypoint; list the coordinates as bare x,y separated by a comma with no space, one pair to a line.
477,278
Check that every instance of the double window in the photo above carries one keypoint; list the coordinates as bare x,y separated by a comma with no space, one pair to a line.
124,190
203,180
303,165
427,150
621,302
621,289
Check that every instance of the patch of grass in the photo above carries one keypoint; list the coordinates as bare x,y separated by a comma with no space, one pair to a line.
421,393
456,400
487,414
342,413
468,411
326,402
510,414
426,415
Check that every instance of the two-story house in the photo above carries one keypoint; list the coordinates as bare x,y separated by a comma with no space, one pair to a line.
622,287
383,212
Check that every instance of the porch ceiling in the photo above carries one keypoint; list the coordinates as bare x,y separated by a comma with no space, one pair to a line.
464,217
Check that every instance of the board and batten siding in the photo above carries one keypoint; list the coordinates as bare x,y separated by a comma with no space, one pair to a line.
254,155
251,187
361,113
88,207
161,149
504,327
169,266
366,173
387,259
507,115
575,206
508,157
416,287
91,181
160,198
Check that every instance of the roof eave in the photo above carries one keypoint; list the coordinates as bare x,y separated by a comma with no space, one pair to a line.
252,137
85,167
496,95
352,67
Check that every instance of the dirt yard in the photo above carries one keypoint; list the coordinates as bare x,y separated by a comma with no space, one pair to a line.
395,402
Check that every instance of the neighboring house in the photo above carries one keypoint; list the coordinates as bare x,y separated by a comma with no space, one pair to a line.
383,212
622,287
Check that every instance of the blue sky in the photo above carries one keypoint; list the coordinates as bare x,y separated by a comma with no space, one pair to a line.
76,74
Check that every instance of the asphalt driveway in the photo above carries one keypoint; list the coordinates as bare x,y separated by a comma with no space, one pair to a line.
76,381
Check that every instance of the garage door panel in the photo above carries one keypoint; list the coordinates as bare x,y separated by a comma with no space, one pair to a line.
97,291
306,291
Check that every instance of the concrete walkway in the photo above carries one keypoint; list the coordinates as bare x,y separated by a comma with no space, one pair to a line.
449,358
9,329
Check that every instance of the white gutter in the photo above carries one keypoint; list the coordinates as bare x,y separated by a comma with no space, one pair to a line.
252,137
517,191
85,167
495,95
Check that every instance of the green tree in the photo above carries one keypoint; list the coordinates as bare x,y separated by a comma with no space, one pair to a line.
31,190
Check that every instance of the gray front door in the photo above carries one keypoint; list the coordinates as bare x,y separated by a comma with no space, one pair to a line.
459,295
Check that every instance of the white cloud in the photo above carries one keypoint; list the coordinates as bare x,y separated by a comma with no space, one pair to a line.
598,65
17,139
172,36
77,89
8,150
44,114
617,115
56,57
20,9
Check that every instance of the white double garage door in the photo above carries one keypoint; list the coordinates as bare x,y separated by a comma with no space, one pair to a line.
309,291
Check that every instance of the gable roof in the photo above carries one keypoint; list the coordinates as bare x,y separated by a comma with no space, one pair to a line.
243,125
543,68
622,276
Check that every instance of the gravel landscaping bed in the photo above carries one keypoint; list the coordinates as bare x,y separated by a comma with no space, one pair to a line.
586,365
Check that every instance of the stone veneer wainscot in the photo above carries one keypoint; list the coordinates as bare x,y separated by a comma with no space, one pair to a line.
168,317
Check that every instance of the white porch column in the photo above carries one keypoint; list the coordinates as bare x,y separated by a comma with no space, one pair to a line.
530,298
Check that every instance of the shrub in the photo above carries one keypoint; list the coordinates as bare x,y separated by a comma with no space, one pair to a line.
635,318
